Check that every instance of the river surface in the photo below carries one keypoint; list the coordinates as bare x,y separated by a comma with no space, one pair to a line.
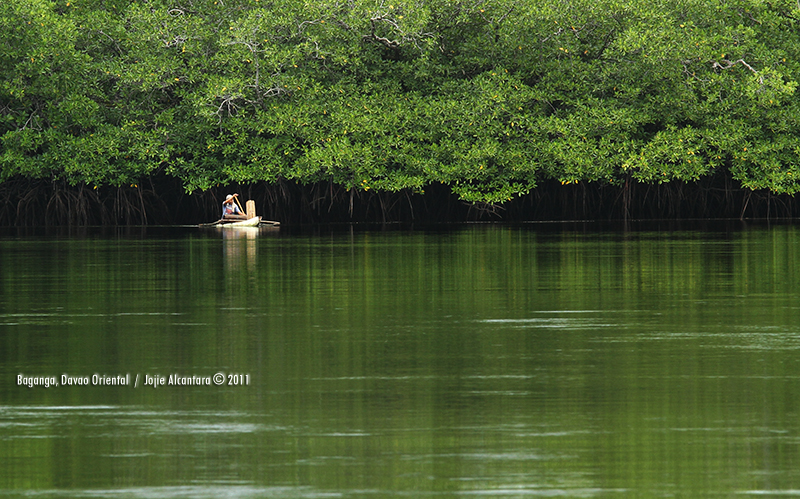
473,361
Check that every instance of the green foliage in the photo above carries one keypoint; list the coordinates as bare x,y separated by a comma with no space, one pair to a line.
489,98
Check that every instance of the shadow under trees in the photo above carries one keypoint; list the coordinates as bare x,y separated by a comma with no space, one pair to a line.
163,201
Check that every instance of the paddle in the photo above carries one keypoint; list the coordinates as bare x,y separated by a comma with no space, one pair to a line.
236,198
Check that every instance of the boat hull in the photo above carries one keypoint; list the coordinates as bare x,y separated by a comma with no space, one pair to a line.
250,222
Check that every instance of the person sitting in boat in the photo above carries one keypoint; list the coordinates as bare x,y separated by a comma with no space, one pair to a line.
230,210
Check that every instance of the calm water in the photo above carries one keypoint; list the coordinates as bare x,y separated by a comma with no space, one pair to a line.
483,361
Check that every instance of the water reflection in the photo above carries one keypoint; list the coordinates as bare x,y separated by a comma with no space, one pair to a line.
239,248
232,491
491,361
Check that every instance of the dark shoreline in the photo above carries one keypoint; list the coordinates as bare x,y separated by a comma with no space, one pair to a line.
163,201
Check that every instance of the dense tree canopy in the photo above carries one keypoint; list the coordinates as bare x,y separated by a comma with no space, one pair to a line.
489,98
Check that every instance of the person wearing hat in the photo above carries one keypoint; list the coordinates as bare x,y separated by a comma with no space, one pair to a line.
230,210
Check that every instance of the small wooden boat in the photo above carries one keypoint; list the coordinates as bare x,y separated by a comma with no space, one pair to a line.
253,221
250,222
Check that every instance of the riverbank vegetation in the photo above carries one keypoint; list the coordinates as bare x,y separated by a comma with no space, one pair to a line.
128,110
